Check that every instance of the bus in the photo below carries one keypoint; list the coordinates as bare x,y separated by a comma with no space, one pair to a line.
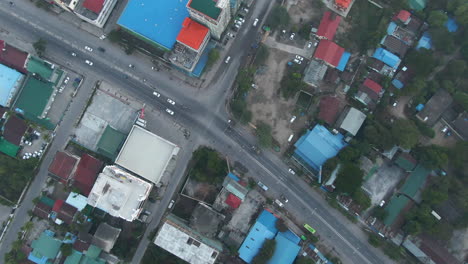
309,228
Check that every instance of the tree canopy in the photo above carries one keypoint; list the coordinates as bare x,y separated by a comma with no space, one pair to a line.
432,157
279,17
266,252
349,178
208,166
421,61
264,134
461,13
15,174
437,18
405,133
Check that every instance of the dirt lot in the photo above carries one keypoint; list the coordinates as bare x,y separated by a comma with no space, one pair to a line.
304,11
441,139
265,102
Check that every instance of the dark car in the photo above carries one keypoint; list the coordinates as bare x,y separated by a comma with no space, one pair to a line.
101,49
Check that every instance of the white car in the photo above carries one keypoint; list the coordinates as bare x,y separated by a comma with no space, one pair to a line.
240,19
227,59
102,37
263,186
297,61
255,22
238,22
90,63
292,36
73,54
309,45
156,94
170,101
246,10
299,57
237,26
292,119
88,48
292,171
66,80
231,35
169,111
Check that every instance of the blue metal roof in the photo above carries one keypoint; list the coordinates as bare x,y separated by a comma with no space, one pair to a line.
451,24
10,81
387,57
263,229
319,254
232,176
397,83
391,28
318,145
197,72
425,41
286,250
419,107
156,20
343,61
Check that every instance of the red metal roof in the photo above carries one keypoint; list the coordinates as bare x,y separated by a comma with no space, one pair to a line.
377,88
13,57
233,201
62,166
343,3
42,210
329,107
86,173
329,52
94,5
57,205
80,245
192,33
328,25
14,129
403,16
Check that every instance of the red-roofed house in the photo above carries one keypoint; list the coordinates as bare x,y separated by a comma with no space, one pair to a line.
62,166
342,4
86,173
233,201
375,87
328,109
369,93
94,5
13,57
193,35
63,212
14,129
403,16
328,25
329,52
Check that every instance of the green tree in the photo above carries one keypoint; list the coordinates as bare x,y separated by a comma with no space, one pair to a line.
208,166
266,252
458,157
281,226
262,54
415,86
422,61
213,57
432,156
279,17
264,135
40,47
304,31
361,198
442,39
455,69
380,213
464,50
66,249
291,83
437,18
374,240
405,133
349,179
115,36
240,111
304,260
462,99
461,13
349,153
379,136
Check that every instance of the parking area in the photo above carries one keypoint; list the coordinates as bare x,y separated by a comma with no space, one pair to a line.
65,90
444,136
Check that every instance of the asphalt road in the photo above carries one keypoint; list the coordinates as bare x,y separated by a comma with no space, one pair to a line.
200,111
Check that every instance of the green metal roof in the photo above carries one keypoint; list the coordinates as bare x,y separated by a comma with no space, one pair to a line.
38,66
406,162
110,142
8,148
394,207
47,201
415,181
93,252
417,4
207,7
46,246
34,96
74,258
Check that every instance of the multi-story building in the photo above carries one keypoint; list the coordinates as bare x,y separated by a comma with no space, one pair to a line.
95,12
213,14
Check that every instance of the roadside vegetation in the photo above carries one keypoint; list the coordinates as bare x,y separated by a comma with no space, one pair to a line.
40,47
208,166
15,175
266,252
213,57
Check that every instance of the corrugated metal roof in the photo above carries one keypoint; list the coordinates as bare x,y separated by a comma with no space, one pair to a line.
192,33
329,52
387,57
328,25
286,249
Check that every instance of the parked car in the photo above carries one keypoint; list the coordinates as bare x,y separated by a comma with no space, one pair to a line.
66,80
255,22
102,37
101,49
309,45
227,59
263,186
292,171
88,48
444,129
240,19
171,204
73,54
238,22
169,111
297,61
156,94
169,100
299,57
292,36
279,203
292,119
90,63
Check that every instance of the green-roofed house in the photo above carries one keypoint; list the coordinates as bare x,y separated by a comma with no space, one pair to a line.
417,4
110,142
413,184
45,249
406,162
39,67
90,256
213,14
8,148
33,101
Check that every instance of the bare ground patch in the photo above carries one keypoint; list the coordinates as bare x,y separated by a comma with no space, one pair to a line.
304,11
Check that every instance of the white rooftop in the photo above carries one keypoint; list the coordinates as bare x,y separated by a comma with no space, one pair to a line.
119,193
353,121
179,242
77,200
146,154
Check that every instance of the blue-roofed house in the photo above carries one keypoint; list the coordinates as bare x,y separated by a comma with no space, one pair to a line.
391,28
264,228
287,248
343,61
155,21
316,147
10,82
425,41
451,24
387,57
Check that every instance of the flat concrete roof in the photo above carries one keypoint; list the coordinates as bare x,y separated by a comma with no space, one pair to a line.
119,193
146,154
